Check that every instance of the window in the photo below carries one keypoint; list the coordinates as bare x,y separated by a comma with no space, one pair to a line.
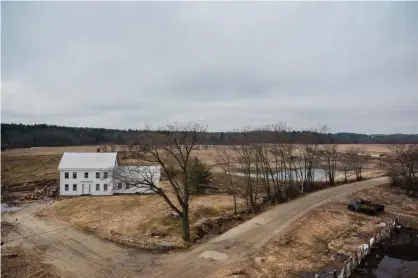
97,175
74,175
67,187
86,175
97,187
105,187
105,175
67,175
74,187
120,185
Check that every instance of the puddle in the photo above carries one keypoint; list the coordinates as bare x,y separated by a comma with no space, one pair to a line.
397,257
9,208
325,273
318,174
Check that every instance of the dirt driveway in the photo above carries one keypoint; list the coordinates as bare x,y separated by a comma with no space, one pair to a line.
74,253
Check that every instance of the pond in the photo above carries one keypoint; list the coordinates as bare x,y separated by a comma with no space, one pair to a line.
319,174
398,257
9,208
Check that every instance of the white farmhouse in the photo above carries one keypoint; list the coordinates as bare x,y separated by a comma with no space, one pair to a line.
93,174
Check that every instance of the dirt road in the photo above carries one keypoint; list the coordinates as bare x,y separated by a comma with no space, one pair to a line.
74,253
78,254
203,260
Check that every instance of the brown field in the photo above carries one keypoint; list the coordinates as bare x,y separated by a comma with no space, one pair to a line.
35,164
372,148
311,245
23,169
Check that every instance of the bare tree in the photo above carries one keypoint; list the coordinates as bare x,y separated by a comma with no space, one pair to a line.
306,157
275,161
246,159
329,157
174,158
107,148
405,165
225,161
356,158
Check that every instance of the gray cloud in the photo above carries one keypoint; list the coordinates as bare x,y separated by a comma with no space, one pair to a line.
353,65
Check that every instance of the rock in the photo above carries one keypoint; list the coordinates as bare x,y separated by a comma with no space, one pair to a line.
166,245
174,214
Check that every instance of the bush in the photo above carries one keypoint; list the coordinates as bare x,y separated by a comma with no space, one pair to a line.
200,175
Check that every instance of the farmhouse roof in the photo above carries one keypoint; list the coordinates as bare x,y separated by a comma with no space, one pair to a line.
76,160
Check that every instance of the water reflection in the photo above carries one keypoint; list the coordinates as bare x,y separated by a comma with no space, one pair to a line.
396,258
319,174
9,208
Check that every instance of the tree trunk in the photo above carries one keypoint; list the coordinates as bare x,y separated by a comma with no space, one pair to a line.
235,204
186,224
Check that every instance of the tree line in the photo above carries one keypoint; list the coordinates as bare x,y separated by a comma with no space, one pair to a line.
43,135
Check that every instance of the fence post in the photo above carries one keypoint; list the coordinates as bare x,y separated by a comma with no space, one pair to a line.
356,258
342,272
334,274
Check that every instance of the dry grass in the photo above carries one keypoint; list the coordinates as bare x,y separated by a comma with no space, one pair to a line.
373,148
48,150
131,219
311,244
308,246
7,227
22,169
25,265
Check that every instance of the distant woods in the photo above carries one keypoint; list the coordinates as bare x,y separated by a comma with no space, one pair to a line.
26,136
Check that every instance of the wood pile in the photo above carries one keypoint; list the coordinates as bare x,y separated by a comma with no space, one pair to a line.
46,192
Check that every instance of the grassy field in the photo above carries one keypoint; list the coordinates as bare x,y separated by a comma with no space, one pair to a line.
317,239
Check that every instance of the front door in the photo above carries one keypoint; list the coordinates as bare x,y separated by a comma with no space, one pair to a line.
86,188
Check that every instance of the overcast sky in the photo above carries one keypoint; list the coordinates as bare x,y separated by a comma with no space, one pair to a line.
353,66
